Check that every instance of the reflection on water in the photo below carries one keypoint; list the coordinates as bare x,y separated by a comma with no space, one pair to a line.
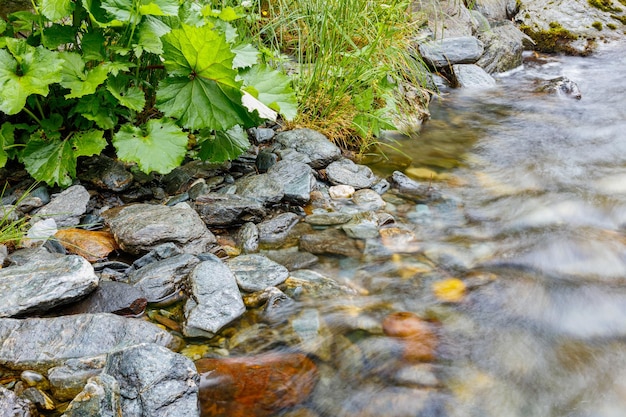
534,224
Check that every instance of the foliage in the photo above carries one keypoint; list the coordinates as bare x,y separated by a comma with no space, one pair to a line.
351,59
13,228
140,75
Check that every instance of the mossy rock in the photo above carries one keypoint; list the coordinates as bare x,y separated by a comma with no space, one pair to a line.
556,39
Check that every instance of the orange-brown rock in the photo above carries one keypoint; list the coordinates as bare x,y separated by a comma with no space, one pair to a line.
91,245
417,335
254,386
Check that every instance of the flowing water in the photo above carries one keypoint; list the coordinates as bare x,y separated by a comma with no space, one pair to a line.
534,224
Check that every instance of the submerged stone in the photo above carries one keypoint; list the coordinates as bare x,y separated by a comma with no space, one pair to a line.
99,397
257,272
255,386
330,241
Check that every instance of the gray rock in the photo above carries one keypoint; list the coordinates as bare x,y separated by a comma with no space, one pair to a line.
39,286
13,406
8,214
297,179
362,226
504,48
330,241
67,207
154,381
36,396
228,210
25,256
472,76
140,227
315,145
215,299
561,86
68,380
263,188
106,173
420,193
277,228
312,284
35,199
279,307
367,199
330,218
248,237
262,134
109,297
292,155
158,253
257,272
265,160
381,187
347,172
449,51
41,343
292,258
163,278
494,10
99,397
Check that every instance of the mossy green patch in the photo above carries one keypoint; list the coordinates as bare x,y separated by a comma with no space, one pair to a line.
604,5
621,19
597,25
555,39
611,26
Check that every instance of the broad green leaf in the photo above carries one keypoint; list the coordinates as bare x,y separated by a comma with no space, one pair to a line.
56,9
122,10
3,25
159,7
246,55
23,20
7,136
224,146
203,93
87,143
24,71
131,97
115,67
98,15
227,14
57,35
92,46
93,108
77,80
160,146
50,161
271,88
150,31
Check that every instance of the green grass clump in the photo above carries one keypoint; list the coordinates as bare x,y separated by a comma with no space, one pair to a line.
597,25
13,228
604,5
349,58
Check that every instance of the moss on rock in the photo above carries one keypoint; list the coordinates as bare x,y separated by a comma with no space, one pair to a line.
554,40
597,25
604,5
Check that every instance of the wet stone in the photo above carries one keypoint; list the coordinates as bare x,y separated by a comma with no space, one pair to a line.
265,160
420,193
255,386
331,218
341,191
279,307
472,76
41,400
215,299
154,381
381,187
228,210
41,343
163,278
99,397
68,380
105,173
292,258
330,241
34,379
109,297
139,228
39,286
276,229
67,207
346,172
257,272
450,51
362,226
314,145
307,283
13,406
297,178
262,134
248,237
367,199
293,156
35,199
263,188
158,253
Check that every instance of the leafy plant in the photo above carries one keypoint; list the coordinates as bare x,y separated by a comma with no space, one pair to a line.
141,75
13,227
352,60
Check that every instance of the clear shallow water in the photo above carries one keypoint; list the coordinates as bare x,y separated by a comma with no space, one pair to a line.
534,223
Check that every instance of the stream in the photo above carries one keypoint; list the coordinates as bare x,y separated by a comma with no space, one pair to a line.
533,223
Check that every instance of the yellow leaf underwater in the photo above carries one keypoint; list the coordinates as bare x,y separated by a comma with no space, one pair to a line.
450,290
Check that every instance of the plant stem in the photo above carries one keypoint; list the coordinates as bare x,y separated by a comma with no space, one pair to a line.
32,115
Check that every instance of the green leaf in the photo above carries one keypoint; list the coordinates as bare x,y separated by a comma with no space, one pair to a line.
56,9
115,67
92,108
87,143
225,146
246,55
121,10
271,88
150,31
99,15
25,70
57,35
130,97
3,25
159,7
77,80
92,46
227,14
203,93
49,161
7,136
160,146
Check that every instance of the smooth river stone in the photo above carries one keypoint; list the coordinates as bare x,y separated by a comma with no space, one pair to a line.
40,285
346,172
41,343
257,272
256,386
313,144
417,335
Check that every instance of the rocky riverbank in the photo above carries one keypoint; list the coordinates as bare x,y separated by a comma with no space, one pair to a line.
128,279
